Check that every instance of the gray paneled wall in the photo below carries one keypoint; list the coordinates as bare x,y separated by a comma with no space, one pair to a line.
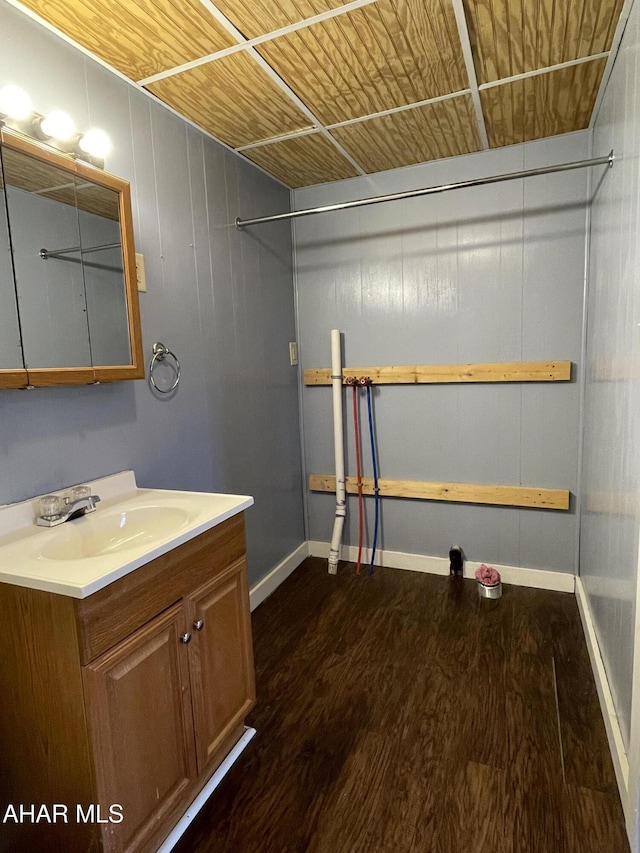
221,299
611,473
480,275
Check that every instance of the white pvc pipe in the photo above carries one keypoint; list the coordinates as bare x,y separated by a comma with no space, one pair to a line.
341,501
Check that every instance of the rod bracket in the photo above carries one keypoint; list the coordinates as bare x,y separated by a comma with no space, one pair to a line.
611,159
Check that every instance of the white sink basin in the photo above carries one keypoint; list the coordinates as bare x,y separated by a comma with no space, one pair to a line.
117,530
129,528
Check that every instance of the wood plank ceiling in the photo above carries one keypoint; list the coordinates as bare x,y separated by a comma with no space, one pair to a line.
320,90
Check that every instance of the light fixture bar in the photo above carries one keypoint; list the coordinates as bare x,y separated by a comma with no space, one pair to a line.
476,182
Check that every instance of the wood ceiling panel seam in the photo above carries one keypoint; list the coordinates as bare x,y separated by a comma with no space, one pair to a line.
465,43
514,42
454,35
385,142
273,139
456,68
613,52
398,57
403,28
577,37
255,41
455,133
303,18
436,118
393,78
495,69
347,85
466,128
349,122
139,39
280,83
540,71
512,37
543,105
470,18
237,112
357,24
354,95
595,29
604,28
385,57
405,107
598,25
305,109
315,160
418,136
531,36
410,45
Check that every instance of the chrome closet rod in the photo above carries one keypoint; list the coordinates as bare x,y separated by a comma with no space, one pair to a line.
476,182
45,254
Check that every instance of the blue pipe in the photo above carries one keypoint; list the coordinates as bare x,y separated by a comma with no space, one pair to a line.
375,479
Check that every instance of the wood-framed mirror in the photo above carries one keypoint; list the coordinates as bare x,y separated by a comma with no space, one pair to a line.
68,293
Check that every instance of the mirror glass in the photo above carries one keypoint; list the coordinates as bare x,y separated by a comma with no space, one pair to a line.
10,342
103,268
68,266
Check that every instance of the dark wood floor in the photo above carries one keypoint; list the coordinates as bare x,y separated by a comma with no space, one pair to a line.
399,712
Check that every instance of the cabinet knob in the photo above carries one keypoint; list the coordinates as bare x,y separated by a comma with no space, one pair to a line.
185,638
199,625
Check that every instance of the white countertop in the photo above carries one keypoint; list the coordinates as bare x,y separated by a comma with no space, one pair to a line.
62,559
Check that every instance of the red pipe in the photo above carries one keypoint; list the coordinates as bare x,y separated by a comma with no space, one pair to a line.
356,427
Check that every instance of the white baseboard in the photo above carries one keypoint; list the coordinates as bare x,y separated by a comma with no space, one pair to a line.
185,821
537,578
614,735
276,576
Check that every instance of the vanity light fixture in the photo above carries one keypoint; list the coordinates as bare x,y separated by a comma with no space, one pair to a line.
58,125
15,103
57,128
95,143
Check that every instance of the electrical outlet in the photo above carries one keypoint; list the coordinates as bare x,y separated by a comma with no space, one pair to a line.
293,353
140,275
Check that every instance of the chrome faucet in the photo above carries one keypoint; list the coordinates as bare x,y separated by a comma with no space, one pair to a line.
55,510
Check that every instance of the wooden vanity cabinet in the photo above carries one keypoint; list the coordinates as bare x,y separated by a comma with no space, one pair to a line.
161,661
222,683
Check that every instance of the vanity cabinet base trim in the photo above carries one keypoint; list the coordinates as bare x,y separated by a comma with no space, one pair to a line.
193,810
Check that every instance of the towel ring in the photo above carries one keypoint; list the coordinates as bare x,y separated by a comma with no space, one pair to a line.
160,352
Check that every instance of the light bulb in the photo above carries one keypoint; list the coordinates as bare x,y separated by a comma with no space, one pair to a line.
58,125
95,142
15,102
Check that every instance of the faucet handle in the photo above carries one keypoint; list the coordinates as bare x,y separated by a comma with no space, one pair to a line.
50,506
79,492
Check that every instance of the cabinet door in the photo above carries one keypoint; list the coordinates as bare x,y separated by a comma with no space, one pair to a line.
220,659
139,707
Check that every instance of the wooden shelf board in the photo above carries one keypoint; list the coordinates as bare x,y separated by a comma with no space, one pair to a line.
518,496
519,371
